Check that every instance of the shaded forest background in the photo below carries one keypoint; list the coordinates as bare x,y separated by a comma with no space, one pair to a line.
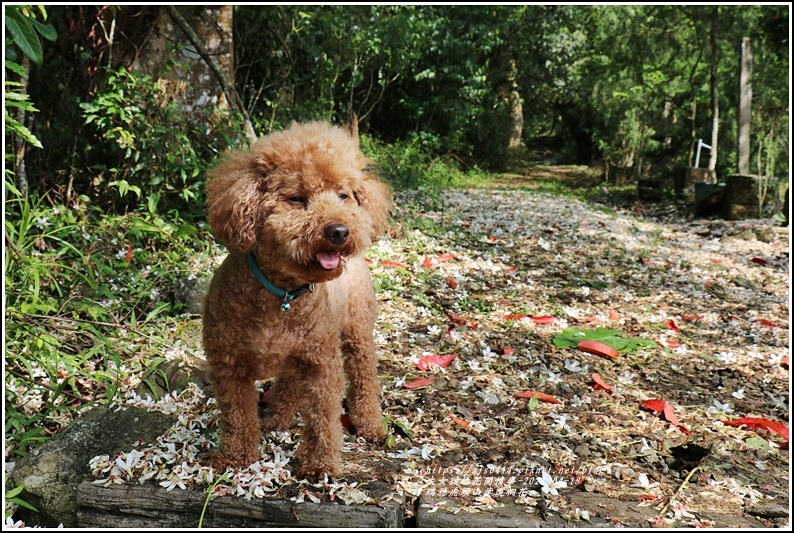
485,87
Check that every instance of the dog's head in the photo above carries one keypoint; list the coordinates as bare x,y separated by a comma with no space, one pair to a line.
303,198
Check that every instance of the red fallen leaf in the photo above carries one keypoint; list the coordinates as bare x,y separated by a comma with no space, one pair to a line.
507,351
613,315
667,410
452,283
393,264
691,318
492,239
345,419
511,268
646,497
671,325
265,396
459,421
456,318
672,343
421,382
598,348
128,256
514,316
543,319
766,323
427,263
368,260
542,396
601,384
784,361
654,405
759,260
589,319
441,258
763,423
440,360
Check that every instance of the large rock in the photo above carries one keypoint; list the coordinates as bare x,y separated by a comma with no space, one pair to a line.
52,472
747,195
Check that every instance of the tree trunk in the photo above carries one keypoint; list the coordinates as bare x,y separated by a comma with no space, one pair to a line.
20,144
715,101
516,109
693,133
203,77
745,107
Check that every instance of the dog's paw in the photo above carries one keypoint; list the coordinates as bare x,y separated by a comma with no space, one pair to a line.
371,433
375,437
220,462
317,472
277,423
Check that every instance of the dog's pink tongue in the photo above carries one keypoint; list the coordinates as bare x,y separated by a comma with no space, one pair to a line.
328,260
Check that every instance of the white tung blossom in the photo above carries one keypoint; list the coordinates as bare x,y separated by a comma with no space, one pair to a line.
549,485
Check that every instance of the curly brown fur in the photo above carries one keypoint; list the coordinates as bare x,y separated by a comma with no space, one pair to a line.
304,202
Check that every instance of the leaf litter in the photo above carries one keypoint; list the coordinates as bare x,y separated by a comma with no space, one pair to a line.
477,290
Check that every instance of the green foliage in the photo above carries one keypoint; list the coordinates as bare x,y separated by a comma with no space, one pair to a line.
12,98
23,35
146,147
12,496
24,31
87,296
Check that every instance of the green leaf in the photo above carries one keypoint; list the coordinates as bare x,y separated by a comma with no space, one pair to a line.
405,430
15,491
758,443
24,36
16,68
45,30
533,403
14,126
571,337
186,230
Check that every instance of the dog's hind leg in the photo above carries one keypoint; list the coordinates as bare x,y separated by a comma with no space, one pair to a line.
283,406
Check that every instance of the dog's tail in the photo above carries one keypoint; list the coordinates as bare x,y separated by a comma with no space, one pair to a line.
354,126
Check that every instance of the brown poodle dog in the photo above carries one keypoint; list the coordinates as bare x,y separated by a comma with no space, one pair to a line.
294,299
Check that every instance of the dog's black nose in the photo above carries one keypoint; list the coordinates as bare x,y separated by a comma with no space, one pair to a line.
337,234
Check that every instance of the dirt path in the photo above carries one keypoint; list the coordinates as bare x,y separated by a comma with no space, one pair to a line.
492,280
712,296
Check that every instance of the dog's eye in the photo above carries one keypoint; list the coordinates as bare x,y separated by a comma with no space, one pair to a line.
297,200
343,196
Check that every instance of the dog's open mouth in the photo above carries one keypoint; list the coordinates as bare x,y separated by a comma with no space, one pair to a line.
328,260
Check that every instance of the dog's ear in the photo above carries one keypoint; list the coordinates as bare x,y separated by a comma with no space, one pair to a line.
234,193
375,197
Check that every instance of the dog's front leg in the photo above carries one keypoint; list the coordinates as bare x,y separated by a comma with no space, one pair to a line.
364,392
237,397
322,386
